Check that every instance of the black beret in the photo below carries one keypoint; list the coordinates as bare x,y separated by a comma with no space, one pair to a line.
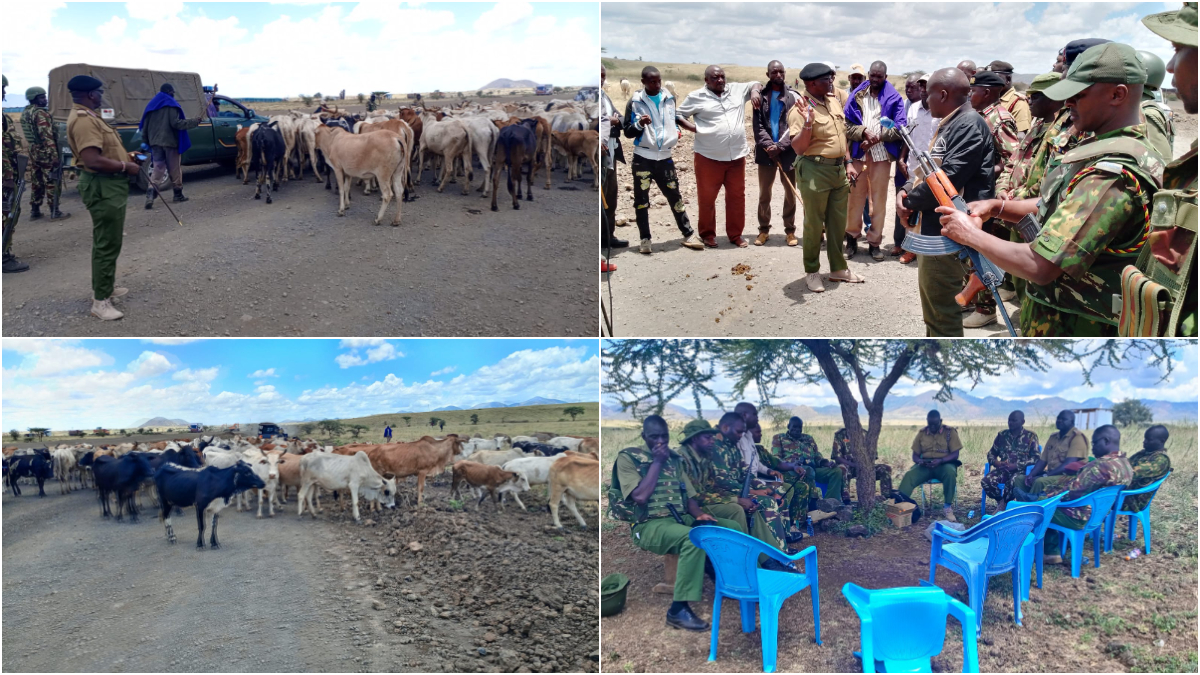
999,66
1076,47
986,78
814,71
167,88
84,83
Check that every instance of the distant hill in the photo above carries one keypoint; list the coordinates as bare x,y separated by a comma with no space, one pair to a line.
449,407
505,83
162,422
962,409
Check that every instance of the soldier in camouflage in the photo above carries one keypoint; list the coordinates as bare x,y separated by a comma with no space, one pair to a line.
1110,468
1022,174
696,446
1094,204
1014,449
1012,101
1174,206
1160,133
44,160
797,449
768,500
649,488
1054,466
1149,465
797,490
843,457
987,87
11,149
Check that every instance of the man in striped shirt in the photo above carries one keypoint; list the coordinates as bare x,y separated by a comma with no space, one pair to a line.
873,150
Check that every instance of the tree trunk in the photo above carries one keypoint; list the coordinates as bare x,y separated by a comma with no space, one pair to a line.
849,405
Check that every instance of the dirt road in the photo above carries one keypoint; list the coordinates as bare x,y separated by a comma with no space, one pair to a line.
680,292
284,594
241,267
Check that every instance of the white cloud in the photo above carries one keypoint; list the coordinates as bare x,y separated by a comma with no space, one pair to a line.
502,15
376,350
349,360
269,372
149,364
202,375
113,29
444,371
46,357
153,10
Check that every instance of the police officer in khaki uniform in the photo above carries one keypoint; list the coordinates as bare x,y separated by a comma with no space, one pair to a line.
103,185
817,126
935,455
1016,103
1061,449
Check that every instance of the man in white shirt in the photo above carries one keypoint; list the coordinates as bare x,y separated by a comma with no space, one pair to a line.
719,113
921,124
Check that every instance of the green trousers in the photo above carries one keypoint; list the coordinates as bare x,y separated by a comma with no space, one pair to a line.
939,278
831,476
731,511
1050,543
825,192
105,196
947,473
663,536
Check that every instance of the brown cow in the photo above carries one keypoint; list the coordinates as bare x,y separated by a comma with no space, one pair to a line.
491,478
590,445
577,144
420,458
381,155
572,478
402,129
242,138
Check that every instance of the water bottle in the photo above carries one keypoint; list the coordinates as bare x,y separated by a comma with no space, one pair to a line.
971,513
810,530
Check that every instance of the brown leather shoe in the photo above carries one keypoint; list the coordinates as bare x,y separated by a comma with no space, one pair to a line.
761,238
908,257
739,242
792,240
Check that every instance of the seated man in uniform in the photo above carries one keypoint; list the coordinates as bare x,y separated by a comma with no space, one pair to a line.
1014,449
935,455
800,450
650,489
771,521
1062,450
1110,468
793,478
696,449
1149,465
843,457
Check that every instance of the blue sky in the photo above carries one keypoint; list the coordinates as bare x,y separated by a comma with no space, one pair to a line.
283,49
1134,381
88,383
916,36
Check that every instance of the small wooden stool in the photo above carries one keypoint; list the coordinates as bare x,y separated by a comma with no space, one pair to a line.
670,563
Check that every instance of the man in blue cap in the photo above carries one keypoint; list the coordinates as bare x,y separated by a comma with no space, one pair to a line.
164,128
100,155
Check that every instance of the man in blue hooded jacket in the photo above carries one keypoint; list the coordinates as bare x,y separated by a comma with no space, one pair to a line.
873,150
164,128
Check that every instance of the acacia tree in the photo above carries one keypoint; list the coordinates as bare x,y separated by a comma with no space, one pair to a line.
658,370
574,411
1132,411
474,418
406,419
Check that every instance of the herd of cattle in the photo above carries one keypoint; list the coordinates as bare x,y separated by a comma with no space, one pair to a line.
385,148
207,473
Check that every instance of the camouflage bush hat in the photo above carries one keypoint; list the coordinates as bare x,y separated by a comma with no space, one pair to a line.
1178,26
33,92
1109,62
1043,82
695,428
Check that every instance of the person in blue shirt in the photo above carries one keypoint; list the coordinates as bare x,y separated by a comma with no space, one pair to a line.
387,433
773,152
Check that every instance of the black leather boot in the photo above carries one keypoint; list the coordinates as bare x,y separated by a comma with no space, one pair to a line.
35,211
179,196
686,619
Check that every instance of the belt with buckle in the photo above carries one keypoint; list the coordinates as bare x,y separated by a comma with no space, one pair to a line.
832,161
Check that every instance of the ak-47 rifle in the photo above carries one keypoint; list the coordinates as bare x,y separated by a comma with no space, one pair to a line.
12,205
943,190
57,176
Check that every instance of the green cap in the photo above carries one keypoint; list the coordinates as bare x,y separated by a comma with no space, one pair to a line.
1178,26
33,92
1111,62
1043,81
695,428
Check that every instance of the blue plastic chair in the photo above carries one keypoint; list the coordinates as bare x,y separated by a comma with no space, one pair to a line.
987,468
912,628
1032,552
992,547
925,497
1143,515
735,560
1102,502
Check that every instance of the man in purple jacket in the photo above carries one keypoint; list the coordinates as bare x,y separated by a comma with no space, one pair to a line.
873,150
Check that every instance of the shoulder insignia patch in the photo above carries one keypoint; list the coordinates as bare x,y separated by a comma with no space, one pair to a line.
1110,167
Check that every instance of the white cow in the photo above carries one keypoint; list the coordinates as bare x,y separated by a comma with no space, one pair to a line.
306,143
484,136
63,460
670,86
287,127
497,457
339,472
448,138
625,87
265,465
536,469
565,442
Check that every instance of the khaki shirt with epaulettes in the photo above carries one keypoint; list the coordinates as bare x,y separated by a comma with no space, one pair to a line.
1062,448
828,137
928,445
85,129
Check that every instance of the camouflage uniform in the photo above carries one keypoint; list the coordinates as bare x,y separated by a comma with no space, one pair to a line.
804,451
772,522
1148,466
11,150
1160,133
1018,169
1060,449
42,140
1021,449
1111,469
843,457
1058,137
1007,142
715,503
798,488
1094,212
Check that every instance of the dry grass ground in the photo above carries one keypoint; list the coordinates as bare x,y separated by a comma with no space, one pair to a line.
1126,616
520,420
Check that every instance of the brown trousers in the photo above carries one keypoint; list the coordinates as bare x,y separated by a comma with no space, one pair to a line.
166,163
873,184
766,180
711,176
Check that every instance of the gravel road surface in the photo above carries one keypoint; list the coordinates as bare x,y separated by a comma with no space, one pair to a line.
82,594
677,291
241,267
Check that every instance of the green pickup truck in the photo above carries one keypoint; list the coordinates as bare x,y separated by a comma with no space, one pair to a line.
126,93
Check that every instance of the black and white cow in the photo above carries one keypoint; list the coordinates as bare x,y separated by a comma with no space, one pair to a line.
38,466
208,489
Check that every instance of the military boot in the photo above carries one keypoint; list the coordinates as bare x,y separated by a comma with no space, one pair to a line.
35,211
11,264
179,195
56,214
149,198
